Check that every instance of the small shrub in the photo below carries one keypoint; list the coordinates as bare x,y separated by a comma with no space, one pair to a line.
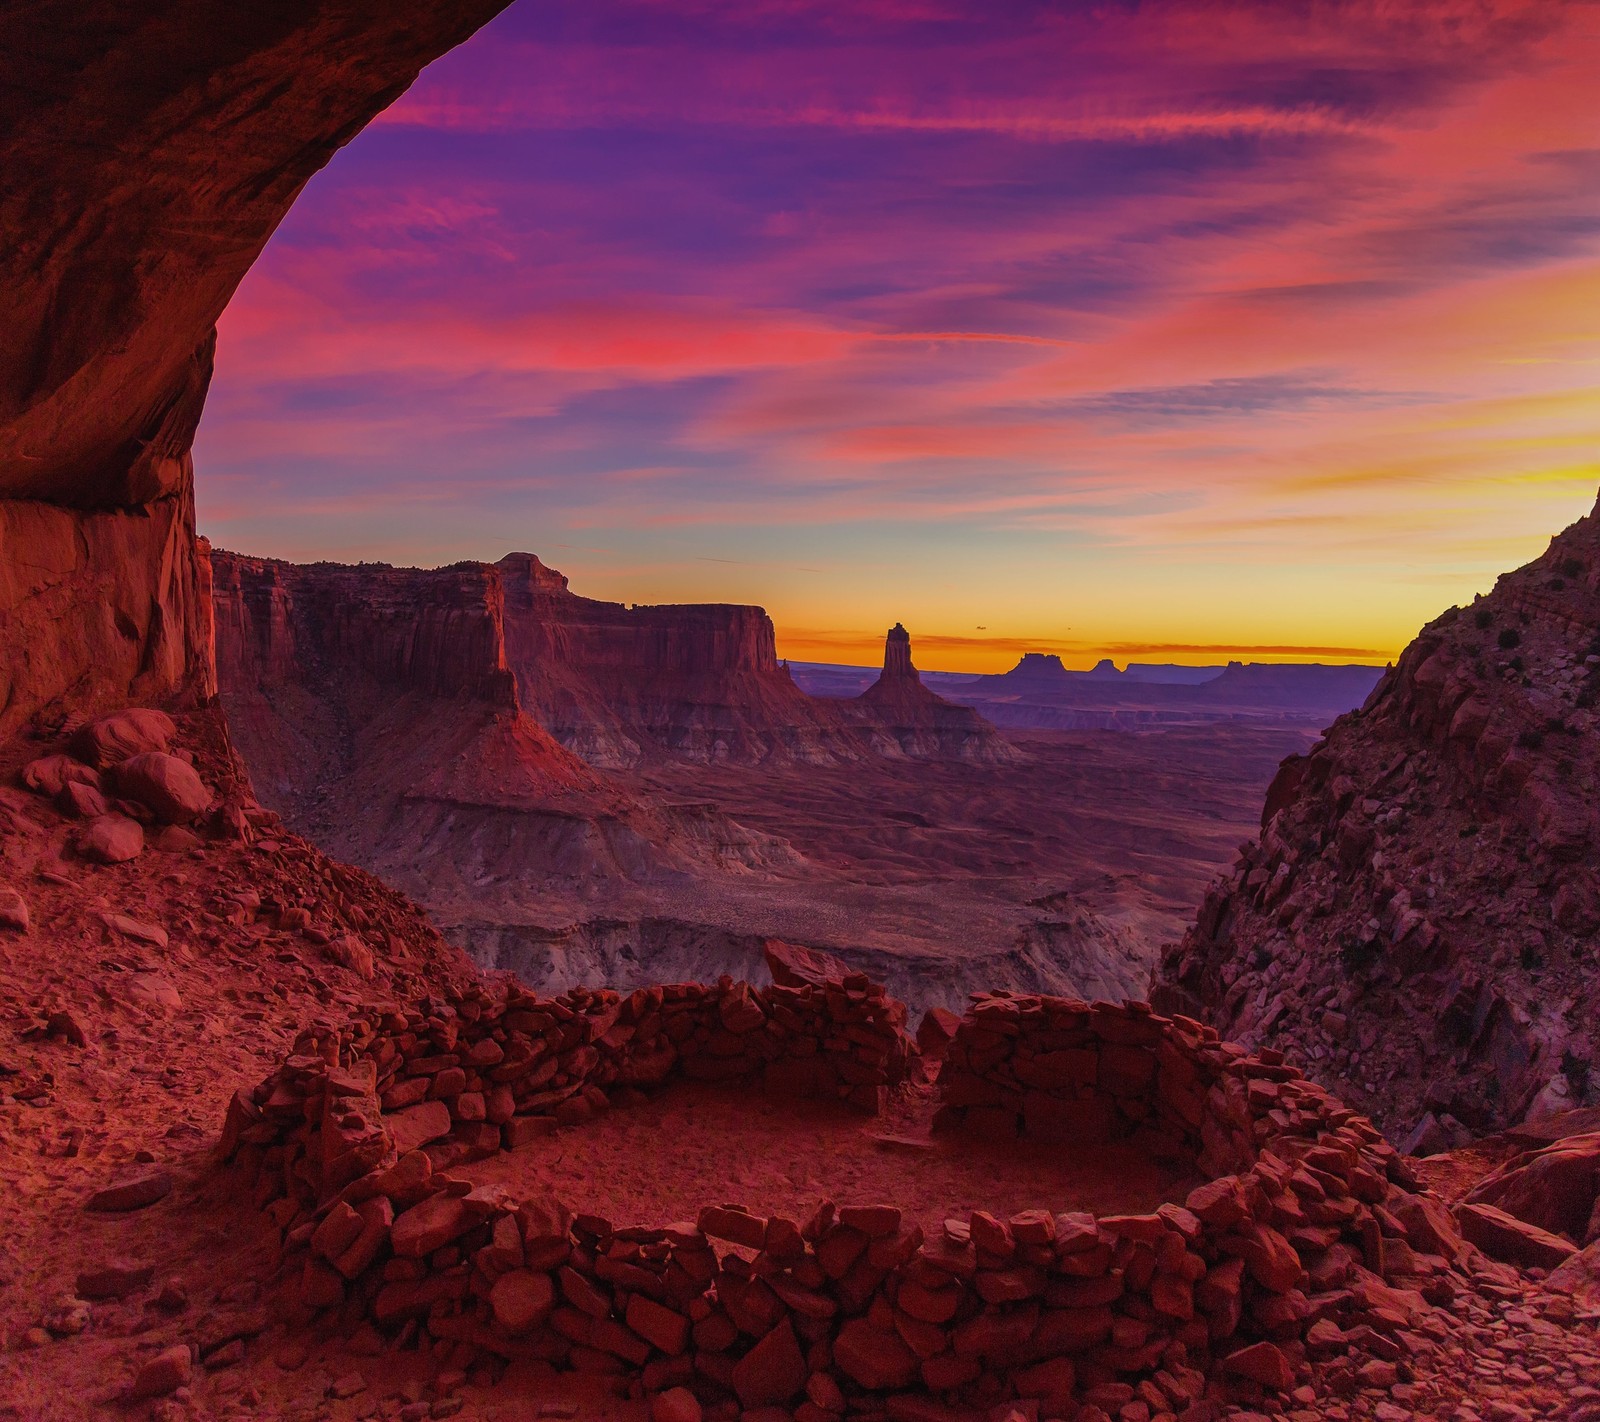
1531,740
1482,618
1509,637
1570,567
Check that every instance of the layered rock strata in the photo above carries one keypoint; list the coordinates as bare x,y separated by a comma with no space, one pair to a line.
1417,920
616,684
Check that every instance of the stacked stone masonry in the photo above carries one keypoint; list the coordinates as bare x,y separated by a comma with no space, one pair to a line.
1306,1242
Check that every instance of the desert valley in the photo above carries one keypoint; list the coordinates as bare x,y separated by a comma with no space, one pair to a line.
434,991
582,792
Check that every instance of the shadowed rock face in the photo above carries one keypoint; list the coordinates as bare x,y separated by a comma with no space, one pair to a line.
1417,921
149,152
317,664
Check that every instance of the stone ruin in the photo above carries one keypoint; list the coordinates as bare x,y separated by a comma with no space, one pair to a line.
1307,1238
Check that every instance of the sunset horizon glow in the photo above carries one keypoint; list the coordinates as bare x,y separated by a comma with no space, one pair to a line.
1173,332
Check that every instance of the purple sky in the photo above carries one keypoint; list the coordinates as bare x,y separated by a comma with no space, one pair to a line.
1117,328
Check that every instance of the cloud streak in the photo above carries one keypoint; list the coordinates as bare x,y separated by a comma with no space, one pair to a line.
1241,326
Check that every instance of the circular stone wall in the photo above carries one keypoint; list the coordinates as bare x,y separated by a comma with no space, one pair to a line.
1306,1228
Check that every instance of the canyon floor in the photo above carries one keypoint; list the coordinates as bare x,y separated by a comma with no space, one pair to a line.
142,994
1062,872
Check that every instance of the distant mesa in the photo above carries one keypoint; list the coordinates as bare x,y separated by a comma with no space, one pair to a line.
1039,669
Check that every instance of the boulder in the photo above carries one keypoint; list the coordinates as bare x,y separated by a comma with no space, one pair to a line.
874,1357
154,991
417,1125
110,839
79,801
1579,1278
1512,1241
936,1031
348,951
169,787
1555,1189
522,1299
1427,1137
110,739
773,1371
50,774
430,1225
163,1374
1264,1363
137,929
676,1404
792,965
132,1192
13,910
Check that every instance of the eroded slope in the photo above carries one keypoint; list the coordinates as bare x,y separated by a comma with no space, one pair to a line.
1417,920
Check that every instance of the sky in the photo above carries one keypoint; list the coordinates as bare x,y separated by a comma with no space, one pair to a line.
1167,332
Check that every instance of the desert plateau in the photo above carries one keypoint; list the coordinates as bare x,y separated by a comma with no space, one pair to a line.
1041,861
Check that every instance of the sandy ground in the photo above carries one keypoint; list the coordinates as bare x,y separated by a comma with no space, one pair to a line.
661,1159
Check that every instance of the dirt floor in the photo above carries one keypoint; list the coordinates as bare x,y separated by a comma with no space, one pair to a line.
662,1158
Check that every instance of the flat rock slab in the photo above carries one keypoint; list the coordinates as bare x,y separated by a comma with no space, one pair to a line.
1512,1241
133,1192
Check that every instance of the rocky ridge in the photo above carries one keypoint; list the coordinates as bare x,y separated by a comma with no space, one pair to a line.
1417,920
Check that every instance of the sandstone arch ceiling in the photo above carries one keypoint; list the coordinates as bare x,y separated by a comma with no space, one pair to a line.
148,149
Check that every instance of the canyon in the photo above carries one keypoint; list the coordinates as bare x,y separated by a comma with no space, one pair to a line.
272,1145
581,791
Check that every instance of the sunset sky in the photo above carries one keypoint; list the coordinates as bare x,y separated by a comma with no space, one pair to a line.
1162,331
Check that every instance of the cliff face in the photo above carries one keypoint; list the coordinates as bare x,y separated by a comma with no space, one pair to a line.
902,717
616,683
376,710
149,151
313,661
1418,917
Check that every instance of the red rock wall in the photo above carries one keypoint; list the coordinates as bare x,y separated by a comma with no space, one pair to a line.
1313,1240
438,631
547,623
698,680
99,609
